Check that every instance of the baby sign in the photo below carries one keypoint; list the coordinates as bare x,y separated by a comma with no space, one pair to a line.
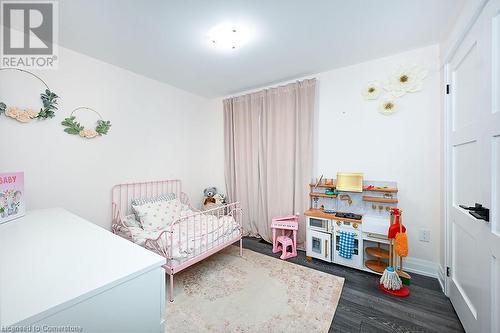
11,196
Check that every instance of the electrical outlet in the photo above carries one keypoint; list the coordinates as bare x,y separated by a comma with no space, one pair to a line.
424,235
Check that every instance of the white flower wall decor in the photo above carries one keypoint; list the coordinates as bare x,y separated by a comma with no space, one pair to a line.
407,78
372,90
388,106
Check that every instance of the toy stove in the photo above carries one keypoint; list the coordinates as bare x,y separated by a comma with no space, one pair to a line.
351,216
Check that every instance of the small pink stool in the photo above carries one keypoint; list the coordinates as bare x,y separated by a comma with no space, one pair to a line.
283,242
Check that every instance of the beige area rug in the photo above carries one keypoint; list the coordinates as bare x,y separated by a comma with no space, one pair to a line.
253,293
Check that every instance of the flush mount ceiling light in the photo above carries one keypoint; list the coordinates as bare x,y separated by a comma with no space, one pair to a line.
228,36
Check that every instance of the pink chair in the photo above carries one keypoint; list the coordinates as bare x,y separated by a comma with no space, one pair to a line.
283,242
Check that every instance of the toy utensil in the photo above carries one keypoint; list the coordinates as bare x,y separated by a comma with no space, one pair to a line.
394,228
390,278
401,248
390,281
405,277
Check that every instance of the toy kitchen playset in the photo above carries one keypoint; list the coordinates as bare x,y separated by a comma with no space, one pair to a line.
350,207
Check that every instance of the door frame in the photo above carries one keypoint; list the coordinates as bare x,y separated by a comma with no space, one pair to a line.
447,127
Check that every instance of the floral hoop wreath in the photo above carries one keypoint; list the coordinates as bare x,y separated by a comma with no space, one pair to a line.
74,127
49,101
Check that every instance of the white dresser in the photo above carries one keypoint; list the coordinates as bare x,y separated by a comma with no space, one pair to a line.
59,271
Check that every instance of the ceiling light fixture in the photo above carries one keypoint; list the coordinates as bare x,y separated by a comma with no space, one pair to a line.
228,36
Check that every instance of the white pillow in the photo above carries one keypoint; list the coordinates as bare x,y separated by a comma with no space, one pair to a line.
160,214
142,201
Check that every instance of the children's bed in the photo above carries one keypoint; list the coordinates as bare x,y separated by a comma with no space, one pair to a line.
189,236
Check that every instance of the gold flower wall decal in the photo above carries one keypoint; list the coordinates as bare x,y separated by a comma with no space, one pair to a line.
406,79
372,90
388,106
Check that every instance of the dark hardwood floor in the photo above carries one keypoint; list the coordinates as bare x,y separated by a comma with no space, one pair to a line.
364,308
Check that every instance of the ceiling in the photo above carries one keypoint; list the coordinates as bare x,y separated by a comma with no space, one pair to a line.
167,39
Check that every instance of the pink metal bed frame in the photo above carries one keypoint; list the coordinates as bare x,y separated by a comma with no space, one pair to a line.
122,196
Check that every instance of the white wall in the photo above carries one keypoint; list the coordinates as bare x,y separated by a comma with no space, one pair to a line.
161,132
158,132
405,147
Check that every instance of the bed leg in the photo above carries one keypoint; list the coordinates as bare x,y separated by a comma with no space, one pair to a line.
241,247
171,293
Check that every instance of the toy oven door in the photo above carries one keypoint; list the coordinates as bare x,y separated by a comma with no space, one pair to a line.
319,245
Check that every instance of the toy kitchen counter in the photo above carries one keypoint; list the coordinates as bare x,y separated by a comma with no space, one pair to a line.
348,225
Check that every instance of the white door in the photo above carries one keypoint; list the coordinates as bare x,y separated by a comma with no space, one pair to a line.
473,146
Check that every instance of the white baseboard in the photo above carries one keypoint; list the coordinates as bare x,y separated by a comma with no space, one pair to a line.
422,267
441,277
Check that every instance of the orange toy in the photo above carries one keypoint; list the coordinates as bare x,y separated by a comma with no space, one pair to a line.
397,231
401,243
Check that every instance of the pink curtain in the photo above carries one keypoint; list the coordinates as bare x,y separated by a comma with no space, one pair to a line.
269,152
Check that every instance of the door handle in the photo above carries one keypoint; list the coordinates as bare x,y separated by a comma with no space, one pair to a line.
478,211
326,249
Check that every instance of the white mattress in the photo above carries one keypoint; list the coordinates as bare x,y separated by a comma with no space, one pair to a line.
191,236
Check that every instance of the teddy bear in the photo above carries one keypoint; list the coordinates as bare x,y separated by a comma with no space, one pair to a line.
212,198
209,194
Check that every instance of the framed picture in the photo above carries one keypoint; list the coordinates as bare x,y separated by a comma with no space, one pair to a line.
11,196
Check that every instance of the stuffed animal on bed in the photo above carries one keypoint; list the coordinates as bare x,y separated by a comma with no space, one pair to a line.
209,194
212,199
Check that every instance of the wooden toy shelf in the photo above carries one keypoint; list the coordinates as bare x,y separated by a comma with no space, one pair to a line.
322,195
380,189
379,199
377,252
365,189
376,265
323,185
382,258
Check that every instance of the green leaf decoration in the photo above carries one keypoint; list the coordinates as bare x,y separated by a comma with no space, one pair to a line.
49,101
48,98
72,126
103,127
